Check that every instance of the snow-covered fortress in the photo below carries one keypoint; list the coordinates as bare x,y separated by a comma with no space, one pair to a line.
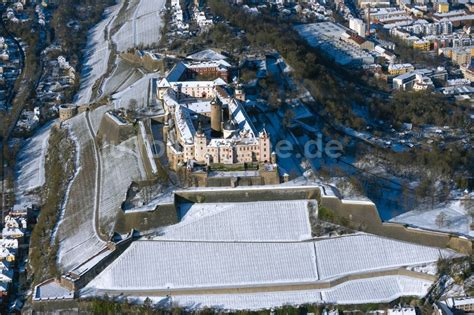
206,122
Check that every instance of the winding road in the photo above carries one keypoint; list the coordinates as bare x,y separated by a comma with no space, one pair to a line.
96,216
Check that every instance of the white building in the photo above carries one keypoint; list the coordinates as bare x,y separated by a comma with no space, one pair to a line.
358,26
407,80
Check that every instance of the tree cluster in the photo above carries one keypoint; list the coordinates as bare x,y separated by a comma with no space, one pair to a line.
59,169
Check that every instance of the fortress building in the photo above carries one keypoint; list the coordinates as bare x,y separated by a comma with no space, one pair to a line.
206,122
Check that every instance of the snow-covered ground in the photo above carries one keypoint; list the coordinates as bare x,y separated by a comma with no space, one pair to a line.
381,289
52,290
367,252
375,290
251,221
155,265
97,56
121,164
97,115
123,76
78,240
143,27
30,172
253,245
165,197
139,91
148,150
456,218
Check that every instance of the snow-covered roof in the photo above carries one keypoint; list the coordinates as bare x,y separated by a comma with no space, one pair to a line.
184,124
207,54
222,64
163,83
198,107
240,116
176,73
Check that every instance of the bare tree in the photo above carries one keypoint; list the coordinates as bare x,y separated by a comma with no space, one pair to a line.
132,104
441,219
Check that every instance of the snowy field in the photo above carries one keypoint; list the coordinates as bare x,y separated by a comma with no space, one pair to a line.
96,116
456,218
76,233
52,290
225,246
381,289
121,165
375,290
159,265
96,57
30,172
142,28
247,221
368,253
123,76
139,91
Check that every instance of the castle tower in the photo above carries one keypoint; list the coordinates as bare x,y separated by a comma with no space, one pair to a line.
264,146
239,93
274,157
200,145
230,128
216,117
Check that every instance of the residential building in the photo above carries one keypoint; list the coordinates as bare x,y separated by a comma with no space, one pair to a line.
465,304
461,56
421,44
443,7
400,68
468,72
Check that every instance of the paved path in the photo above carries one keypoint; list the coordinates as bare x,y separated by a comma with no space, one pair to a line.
96,216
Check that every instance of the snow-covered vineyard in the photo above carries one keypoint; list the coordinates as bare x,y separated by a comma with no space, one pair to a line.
232,222
142,26
78,238
383,289
121,165
30,166
97,56
139,91
253,255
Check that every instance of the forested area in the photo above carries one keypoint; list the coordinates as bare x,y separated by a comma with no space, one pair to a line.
420,108
60,168
333,86
267,33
